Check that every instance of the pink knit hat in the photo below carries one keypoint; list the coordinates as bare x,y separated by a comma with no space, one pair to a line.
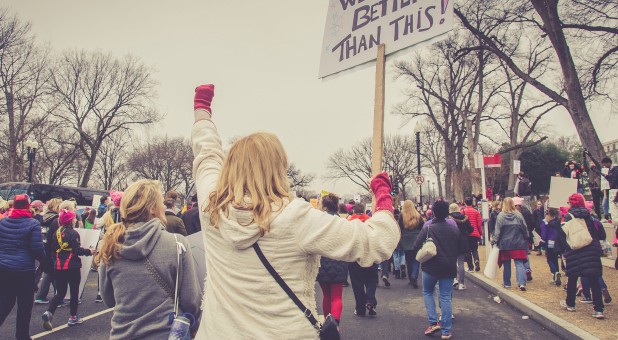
116,197
66,216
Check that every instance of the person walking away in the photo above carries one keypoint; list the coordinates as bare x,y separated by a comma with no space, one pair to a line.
538,215
510,236
332,273
410,223
174,223
441,269
67,265
475,236
49,227
364,280
496,207
465,229
549,230
582,262
140,270
247,204
20,245
585,284
529,219
191,217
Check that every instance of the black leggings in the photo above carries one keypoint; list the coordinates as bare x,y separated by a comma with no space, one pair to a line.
473,244
70,277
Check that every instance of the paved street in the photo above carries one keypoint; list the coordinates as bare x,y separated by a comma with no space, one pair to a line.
401,315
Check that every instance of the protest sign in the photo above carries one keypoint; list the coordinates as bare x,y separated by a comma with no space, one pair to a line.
516,167
355,28
559,191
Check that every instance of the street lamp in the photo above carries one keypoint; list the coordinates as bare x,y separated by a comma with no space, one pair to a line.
31,146
417,131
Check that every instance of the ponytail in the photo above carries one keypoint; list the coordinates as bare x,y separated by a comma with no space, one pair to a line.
112,241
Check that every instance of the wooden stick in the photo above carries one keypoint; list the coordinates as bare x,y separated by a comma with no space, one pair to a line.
378,113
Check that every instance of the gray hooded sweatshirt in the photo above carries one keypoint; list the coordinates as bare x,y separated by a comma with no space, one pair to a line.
140,285
511,232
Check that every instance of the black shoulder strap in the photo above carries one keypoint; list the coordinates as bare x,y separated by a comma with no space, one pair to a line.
285,287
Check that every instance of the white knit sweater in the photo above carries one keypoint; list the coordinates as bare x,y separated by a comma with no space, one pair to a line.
241,299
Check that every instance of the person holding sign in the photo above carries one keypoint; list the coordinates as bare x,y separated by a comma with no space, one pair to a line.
254,230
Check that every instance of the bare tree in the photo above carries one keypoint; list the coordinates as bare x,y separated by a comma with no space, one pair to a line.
298,180
99,95
399,160
111,170
543,16
23,77
432,153
165,159
56,160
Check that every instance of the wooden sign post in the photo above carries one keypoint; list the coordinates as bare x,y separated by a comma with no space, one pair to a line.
378,114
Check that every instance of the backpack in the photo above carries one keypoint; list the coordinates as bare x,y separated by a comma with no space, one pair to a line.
577,234
524,188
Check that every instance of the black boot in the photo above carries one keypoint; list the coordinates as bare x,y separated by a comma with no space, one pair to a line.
403,271
397,274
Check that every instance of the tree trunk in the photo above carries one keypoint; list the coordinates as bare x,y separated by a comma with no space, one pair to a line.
92,158
15,160
548,10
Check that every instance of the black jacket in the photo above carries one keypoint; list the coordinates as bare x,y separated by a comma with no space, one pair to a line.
332,271
448,242
465,228
68,259
191,219
585,261
49,226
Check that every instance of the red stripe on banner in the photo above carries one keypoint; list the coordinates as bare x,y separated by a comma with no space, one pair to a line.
492,161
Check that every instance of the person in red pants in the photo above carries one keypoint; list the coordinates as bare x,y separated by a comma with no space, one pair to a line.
332,273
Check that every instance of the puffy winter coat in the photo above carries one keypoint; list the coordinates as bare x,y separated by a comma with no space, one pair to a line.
585,261
465,228
448,242
20,244
476,220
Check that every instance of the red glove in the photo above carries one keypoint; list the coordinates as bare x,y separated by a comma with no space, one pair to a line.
203,97
381,187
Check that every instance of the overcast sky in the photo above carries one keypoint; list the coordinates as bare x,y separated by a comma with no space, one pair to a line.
263,56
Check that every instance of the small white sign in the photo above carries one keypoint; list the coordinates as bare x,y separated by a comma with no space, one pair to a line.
357,198
560,189
419,179
516,166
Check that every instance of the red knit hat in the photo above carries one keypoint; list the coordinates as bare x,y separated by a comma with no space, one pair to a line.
577,200
21,202
66,216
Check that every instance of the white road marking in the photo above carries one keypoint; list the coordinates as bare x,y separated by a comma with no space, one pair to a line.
40,335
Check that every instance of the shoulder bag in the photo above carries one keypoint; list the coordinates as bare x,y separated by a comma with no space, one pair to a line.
577,234
428,250
329,330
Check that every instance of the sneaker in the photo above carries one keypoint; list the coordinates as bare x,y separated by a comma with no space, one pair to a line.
461,286
528,275
522,288
446,336
598,315
471,270
41,302
64,302
385,279
455,283
47,320
432,329
585,300
414,283
361,315
567,307
606,297
558,281
371,309
74,320
98,299
477,266
506,286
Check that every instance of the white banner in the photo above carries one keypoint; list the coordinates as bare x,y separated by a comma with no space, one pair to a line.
560,190
516,167
355,28
88,239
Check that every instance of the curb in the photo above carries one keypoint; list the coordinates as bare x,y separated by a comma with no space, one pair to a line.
551,322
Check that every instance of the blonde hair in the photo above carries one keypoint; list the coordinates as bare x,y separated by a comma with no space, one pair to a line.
409,215
508,205
256,167
454,207
68,205
139,201
54,205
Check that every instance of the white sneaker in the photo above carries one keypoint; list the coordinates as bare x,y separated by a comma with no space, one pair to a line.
461,286
455,283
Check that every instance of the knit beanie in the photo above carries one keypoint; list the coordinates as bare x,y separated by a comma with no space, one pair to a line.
21,202
66,216
116,197
577,200
440,209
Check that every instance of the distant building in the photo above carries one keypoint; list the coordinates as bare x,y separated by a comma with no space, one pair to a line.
611,149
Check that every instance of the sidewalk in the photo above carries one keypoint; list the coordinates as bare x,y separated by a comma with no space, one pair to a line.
541,300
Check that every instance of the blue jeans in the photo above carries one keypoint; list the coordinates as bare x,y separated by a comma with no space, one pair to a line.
445,290
605,203
520,273
586,286
399,258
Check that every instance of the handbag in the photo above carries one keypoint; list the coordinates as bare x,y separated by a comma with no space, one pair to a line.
329,330
577,234
428,250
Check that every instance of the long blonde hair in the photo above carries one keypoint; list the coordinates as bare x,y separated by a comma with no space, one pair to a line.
409,215
255,167
54,205
140,200
508,206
